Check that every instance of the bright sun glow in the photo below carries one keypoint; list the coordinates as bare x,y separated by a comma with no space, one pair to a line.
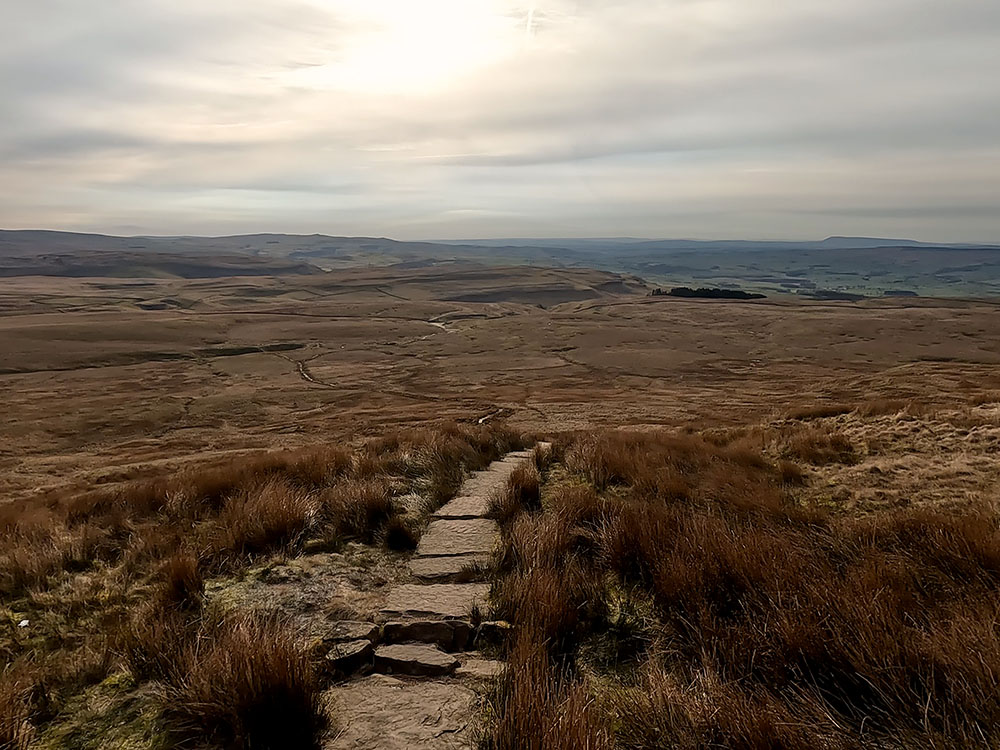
415,46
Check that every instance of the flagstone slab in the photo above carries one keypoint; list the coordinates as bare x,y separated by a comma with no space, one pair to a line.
464,507
414,659
387,713
450,635
449,569
444,601
476,536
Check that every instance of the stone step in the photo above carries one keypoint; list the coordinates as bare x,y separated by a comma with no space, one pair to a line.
475,536
452,569
450,635
388,713
434,601
414,659
463,507
518,456
346,657
348,630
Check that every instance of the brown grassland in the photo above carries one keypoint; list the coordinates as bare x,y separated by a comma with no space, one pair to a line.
761,525
677,591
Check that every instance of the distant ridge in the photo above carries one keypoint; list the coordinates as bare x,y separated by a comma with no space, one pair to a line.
845,267
33,241
632,243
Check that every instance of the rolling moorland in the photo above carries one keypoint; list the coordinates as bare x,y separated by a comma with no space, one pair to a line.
719,523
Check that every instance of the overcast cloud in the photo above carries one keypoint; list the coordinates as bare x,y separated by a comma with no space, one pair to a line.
463,118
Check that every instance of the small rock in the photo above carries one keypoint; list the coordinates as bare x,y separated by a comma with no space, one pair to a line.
494,632
414,659
23,624
349,656
480,669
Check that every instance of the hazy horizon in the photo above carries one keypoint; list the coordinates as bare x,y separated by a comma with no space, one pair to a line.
511,238
496,119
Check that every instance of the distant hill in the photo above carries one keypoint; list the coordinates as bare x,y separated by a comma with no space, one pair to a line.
849,266
632,245
45,242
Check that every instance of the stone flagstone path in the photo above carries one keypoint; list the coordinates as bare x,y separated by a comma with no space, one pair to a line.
427,672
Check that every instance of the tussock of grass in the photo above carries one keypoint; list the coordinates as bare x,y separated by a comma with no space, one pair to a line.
883,406
182,585
268,516
982,399
542,458
820,447
229,681
791,473
662,712
536,706
358,508
401,534
243,683
521,493
151,643
820,411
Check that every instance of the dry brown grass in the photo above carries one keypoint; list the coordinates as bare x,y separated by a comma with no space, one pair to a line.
870,408
401,534
358,508
237,681
535,707
16,685
151,642
885,406
820,447
791,473
521,493
268,516
182,585
243,683
240,507
677,468
661,712
542,457
982,399
771,625
820,411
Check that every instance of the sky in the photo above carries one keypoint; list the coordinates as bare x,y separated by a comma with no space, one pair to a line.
421,119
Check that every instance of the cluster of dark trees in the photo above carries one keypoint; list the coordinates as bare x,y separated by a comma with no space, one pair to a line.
705,292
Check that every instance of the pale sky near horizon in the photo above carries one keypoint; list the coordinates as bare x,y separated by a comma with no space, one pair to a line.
488,118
